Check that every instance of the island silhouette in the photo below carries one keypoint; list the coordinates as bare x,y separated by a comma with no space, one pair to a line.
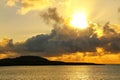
36,61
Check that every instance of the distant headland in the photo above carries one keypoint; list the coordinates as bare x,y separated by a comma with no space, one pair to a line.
36,61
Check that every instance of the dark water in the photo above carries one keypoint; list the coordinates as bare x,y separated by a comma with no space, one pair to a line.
101,72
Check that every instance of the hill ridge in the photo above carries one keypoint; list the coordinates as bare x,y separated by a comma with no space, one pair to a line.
35,60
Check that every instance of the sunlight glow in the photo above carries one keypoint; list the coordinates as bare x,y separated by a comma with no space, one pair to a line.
79,20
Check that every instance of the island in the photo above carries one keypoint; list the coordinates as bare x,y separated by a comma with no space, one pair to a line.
36,61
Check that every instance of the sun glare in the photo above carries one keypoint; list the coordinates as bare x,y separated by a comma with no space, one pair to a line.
79,20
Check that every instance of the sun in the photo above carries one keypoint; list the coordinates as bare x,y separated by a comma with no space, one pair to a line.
79,20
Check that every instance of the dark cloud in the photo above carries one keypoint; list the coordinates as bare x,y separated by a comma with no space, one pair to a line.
64,39
111,39
108,30
51,13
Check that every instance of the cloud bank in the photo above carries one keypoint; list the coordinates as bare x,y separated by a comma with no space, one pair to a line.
65,39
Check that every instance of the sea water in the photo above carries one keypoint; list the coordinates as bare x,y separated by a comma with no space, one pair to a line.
84,72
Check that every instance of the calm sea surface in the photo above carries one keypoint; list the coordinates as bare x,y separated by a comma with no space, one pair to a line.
101,72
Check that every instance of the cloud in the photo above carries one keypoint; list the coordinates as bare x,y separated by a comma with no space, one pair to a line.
5,45
11,2
29,5
64,39
111,39
78,57
50,15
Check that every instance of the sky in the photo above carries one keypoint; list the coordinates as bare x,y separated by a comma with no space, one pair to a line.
20,27
17,26
41,27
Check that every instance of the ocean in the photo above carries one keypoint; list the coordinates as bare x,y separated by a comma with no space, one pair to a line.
82,72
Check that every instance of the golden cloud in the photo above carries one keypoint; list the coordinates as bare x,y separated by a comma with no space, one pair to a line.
79,57
8,55
30,5
4,42
11,2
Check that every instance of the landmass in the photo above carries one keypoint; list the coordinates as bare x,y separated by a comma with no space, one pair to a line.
36,61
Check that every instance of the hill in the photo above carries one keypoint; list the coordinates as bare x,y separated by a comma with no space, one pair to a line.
35,60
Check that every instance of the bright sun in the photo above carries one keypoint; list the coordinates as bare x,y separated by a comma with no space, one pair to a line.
79,20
